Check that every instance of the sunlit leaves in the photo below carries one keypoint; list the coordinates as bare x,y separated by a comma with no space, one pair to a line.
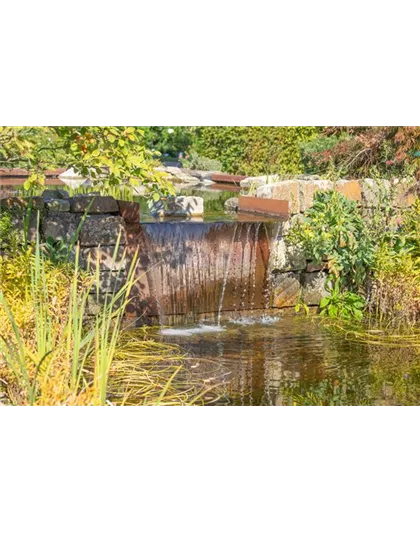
111,155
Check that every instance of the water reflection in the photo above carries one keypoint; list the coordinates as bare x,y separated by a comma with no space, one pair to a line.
296,361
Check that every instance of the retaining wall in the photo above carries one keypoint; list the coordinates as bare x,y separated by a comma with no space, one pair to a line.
300,191
110,223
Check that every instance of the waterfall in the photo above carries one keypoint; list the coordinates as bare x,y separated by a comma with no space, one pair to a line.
192,269
225,278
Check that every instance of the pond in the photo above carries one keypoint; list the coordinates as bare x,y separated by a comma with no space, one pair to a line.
292,360
214,202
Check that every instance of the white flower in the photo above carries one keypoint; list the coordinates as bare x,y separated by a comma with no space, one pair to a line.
170,130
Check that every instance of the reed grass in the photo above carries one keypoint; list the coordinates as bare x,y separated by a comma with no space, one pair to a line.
52,352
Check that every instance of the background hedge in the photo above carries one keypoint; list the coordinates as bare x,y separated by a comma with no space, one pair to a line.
254,150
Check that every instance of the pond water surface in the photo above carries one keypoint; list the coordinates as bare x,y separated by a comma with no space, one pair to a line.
290,360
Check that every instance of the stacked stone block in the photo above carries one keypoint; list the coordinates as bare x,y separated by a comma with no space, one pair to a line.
104,229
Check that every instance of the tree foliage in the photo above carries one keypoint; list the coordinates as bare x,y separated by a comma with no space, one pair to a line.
110,155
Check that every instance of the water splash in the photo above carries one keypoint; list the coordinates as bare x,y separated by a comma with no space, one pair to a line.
250,321
188,332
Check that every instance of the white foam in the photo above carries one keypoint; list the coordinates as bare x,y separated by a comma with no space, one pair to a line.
249,321
187,332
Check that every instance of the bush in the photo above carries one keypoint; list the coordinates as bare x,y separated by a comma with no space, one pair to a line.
194,161
356,151
395,292
333,230
253,150
317,152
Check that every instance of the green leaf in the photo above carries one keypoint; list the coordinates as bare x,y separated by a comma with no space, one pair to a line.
332,311
324,302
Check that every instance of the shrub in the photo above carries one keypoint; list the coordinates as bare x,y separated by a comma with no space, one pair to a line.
199,162
333,230
316,153
389,150
254,150
395,292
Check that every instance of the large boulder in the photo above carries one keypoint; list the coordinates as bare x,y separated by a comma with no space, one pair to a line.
55,194
282,190
350,189
110,281
402,195
295,219
19,203
252,182
57,205
26,225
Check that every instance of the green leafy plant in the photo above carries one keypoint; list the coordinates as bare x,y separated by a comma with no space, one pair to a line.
56,251
301,306
334,231
342,304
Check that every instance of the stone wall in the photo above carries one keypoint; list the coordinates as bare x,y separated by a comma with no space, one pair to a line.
300,190
110,223
293,279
